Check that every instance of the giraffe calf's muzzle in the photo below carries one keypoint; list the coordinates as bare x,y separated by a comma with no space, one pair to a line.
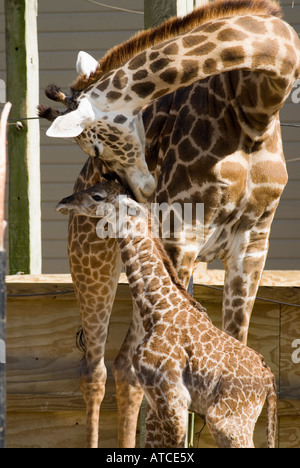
65,206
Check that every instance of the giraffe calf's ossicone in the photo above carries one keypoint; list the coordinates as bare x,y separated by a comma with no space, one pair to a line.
183,362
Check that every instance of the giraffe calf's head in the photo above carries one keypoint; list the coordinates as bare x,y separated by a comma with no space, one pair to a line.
110,202
87,202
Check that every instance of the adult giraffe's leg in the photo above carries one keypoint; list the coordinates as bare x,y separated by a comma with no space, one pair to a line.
243,271
95,267
128,390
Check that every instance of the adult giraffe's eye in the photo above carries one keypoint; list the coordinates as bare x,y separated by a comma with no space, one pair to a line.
97,198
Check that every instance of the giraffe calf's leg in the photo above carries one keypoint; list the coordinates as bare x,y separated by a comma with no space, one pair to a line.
167,416
154,437
228,432
174,417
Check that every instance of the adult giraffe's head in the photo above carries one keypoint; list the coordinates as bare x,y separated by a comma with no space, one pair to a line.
116,135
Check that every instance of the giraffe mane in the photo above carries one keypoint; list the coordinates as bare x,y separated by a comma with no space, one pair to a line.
120,54
174,277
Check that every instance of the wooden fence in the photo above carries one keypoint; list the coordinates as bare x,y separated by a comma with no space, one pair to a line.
44,405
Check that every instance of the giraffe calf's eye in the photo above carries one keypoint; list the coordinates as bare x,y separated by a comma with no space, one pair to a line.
97,198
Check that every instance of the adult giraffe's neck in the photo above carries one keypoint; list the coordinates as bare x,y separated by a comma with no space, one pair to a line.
255,43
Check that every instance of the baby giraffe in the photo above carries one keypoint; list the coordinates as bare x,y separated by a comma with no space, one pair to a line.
183,361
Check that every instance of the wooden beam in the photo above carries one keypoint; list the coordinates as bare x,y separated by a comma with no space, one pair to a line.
3,123
198,3
23,143
156,11
2,351
184,7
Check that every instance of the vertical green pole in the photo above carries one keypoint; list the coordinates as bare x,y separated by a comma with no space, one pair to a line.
23,143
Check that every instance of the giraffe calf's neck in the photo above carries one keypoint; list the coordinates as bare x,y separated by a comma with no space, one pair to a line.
184,362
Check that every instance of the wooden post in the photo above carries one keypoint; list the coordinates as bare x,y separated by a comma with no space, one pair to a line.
2,350
23,143
156,12
3,123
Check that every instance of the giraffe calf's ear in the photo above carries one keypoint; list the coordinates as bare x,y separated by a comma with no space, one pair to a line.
72,124
86,64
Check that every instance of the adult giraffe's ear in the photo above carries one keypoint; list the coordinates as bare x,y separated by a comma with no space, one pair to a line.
72,124
86,64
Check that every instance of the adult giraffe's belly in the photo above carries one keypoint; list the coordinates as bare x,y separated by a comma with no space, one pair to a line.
244,198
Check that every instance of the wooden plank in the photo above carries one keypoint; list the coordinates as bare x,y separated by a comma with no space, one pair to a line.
52,173
291,190
33,280
81,7
282,263
55,248
288,209
289,436
289,112
284,280
72,41
280,279
284,249
55,192
286,229
3,127
55,231
290,152
289,366
52,265
289,134
46,430
99,21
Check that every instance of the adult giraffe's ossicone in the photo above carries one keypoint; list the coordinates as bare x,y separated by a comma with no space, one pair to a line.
185,113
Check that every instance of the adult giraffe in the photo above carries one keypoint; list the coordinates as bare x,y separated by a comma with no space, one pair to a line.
216,141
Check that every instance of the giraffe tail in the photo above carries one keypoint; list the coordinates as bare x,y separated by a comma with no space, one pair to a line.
271,413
